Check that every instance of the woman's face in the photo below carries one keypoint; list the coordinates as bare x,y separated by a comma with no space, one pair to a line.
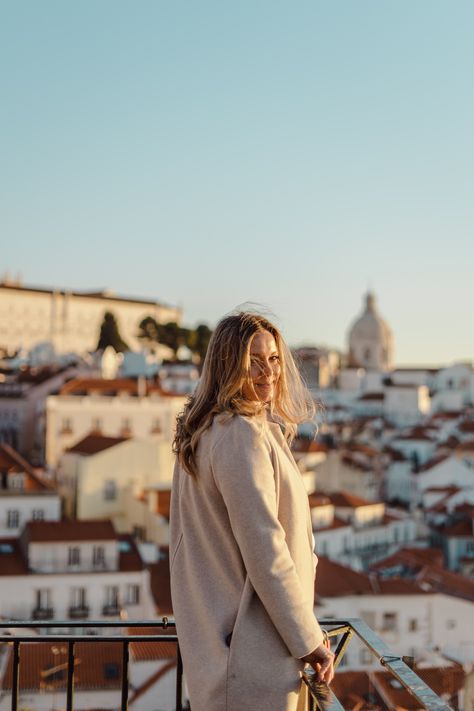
264,367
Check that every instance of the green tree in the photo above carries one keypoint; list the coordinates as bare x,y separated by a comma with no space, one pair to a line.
202,336
148,329
110,334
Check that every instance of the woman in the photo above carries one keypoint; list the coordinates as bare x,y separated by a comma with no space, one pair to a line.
241,546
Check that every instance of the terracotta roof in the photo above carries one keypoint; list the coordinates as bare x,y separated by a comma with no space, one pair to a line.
304,446
344,499
447,680
466,427
433,463
379,690
316,500
12,561
466,446
460,529
129,555
335,523
444,489
95,443
163,503
447,415
413,558
352,461
426,569
98,666
113,387
12,462
395,454
363,449
69,530
152,651
335,580
372,396
160,583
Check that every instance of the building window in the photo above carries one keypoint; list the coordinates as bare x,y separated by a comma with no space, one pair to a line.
17,481
365,656
43,599
13,518
389,621
66,426
112,596
369,617
413,625
37,515
73,555
156,427
78,598
110,490
111,670
133,595
126,427
96,424
98,557
450,624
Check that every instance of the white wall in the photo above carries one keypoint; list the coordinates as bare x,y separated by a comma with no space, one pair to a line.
142,416
28,506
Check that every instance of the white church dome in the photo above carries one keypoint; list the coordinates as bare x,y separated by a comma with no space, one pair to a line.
370,339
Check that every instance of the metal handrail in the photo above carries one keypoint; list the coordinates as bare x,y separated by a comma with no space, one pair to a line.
321,696
324,699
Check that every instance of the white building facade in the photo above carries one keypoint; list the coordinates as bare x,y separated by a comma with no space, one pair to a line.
69,320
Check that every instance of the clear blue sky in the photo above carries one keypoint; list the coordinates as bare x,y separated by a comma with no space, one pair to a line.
212,153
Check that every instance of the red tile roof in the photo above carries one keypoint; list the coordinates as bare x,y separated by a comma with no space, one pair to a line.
316,500
98,666
129,555
372,396
94,443
335,523
12,462
379,690
424,566
447,680
466,427
69,530
12,561
160,583
460,529
152,651
335,580
344,499
439,459
113,387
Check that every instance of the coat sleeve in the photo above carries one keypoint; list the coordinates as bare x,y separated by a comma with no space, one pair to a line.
244,474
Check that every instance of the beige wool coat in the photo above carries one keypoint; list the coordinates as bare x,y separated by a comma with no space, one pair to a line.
242,570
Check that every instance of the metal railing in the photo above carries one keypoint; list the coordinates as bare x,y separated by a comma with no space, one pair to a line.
320,695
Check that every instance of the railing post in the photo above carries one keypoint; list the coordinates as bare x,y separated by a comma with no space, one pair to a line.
125,657
16,675
70,676
179,679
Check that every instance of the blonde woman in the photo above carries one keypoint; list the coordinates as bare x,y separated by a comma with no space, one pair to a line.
241,547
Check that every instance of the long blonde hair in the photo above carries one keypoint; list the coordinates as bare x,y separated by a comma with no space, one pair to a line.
225,373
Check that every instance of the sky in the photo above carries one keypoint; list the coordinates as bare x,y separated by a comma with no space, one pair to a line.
214,153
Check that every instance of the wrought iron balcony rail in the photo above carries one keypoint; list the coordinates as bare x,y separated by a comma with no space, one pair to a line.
321,698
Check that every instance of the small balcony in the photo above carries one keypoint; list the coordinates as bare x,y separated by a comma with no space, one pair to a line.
71,648
43,613
111,609
78,612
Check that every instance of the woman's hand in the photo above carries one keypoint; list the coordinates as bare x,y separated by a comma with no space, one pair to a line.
322,661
